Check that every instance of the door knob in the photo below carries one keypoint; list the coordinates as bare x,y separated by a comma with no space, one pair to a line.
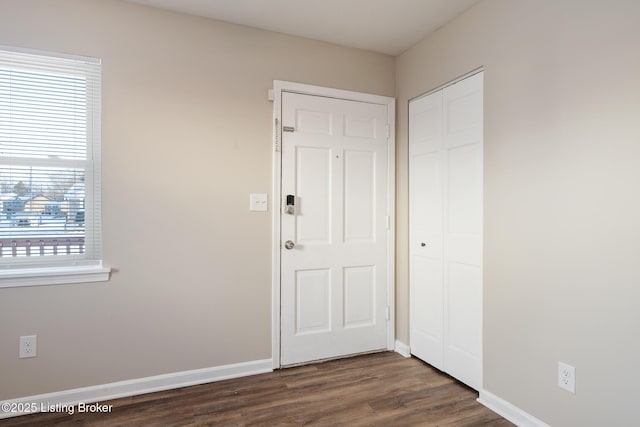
423,244
289,244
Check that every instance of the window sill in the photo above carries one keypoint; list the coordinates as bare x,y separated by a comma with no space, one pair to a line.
12,278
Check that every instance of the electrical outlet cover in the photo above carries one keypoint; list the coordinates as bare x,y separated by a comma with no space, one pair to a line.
28,346
567,377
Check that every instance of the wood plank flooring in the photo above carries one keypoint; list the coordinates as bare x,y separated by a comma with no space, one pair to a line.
382,389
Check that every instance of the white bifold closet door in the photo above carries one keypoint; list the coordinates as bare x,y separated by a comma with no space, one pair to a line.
445,216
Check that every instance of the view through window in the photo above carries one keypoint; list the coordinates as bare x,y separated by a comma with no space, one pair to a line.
49,157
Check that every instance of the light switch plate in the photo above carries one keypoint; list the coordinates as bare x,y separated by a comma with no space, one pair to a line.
258,202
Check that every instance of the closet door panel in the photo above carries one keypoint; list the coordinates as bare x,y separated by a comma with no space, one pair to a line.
426,229
462,139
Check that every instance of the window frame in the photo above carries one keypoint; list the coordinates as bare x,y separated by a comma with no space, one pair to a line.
88,266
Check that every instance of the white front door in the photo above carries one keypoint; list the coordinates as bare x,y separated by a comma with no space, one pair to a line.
445,173
334,233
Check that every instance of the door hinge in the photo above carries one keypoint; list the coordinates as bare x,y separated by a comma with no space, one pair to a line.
388,222
388,313
276,138
288,129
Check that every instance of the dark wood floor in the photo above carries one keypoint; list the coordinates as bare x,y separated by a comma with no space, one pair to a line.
382,389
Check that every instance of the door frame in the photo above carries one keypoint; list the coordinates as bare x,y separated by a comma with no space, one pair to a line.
283,86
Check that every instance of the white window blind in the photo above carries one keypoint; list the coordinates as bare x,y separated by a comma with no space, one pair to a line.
49,159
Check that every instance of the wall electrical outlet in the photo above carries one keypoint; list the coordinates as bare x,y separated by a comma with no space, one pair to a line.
567,377
28,346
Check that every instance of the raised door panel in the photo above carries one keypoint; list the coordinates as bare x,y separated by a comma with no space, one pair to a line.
359,296
426,333
313,301
426,225
359,196
313,195
425,124
464,204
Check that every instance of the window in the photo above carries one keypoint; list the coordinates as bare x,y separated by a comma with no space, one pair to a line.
50,223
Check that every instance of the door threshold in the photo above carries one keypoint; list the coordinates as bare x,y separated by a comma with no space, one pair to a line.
329,359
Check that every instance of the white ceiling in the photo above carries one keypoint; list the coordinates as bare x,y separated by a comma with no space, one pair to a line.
386,26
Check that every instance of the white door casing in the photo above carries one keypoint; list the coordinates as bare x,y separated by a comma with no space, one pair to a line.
335,284
445,146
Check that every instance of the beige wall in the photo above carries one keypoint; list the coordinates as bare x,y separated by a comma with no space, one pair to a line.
186,137
562,233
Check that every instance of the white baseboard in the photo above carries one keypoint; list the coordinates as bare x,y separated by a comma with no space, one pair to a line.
101,393
509,411
403,349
